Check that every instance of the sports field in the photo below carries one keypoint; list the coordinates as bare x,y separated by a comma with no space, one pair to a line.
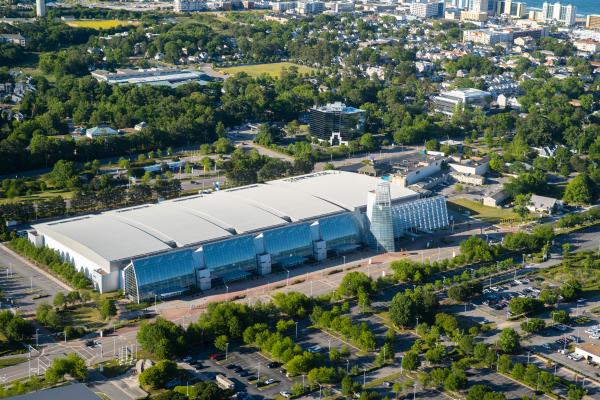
273,69
98,23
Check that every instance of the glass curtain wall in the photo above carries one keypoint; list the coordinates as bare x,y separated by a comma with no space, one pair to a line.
339,231
288,242
223,258
160,275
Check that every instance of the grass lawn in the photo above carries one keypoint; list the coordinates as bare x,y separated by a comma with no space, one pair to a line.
273,69
491,215
584,267
7,348
8,362
65,194
87,316
98,23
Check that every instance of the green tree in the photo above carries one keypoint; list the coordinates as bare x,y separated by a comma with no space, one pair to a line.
221,342
411,361
156,377
521,202
64,174
59,300
578,190
108,308
533,325
162,338
508,341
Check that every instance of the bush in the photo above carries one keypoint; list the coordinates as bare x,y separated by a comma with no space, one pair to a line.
72,364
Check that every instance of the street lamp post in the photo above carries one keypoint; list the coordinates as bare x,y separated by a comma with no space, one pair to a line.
364,377
37,332
226,349
296,323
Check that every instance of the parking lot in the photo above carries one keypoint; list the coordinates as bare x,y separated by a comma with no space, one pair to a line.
254,376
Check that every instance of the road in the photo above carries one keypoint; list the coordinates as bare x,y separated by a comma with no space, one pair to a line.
21,282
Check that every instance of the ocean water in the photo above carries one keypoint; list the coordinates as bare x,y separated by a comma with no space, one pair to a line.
584,7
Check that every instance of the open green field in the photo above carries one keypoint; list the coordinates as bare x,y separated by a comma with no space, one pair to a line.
99,23
475,209
65,194
273,69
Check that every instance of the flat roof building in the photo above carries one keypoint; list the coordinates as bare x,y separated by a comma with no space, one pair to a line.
447,102
336,123
151,76
167,248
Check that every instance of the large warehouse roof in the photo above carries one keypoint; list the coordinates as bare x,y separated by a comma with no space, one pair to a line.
137,231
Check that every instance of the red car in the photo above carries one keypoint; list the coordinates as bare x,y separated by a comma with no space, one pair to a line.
217,356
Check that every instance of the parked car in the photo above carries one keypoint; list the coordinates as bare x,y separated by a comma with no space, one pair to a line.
217,356
285,394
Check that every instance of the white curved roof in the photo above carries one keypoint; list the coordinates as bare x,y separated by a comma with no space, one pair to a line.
152,228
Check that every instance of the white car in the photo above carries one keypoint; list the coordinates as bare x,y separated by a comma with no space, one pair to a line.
287,395
269,381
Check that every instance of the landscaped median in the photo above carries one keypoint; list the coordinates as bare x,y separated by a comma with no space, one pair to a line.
51,261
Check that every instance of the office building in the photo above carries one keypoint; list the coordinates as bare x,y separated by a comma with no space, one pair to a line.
336,123
592,22
447,102
189,5
559,14
40,8
168,248
152,76
429,9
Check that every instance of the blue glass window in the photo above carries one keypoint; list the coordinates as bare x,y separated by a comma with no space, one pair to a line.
230,255
161,275
289,241
339,230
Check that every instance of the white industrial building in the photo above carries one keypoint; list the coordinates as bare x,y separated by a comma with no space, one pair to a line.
166,248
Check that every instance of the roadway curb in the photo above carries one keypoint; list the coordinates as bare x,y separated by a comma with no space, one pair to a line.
35,267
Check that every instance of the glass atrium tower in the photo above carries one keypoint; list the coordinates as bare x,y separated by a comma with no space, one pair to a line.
379,212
